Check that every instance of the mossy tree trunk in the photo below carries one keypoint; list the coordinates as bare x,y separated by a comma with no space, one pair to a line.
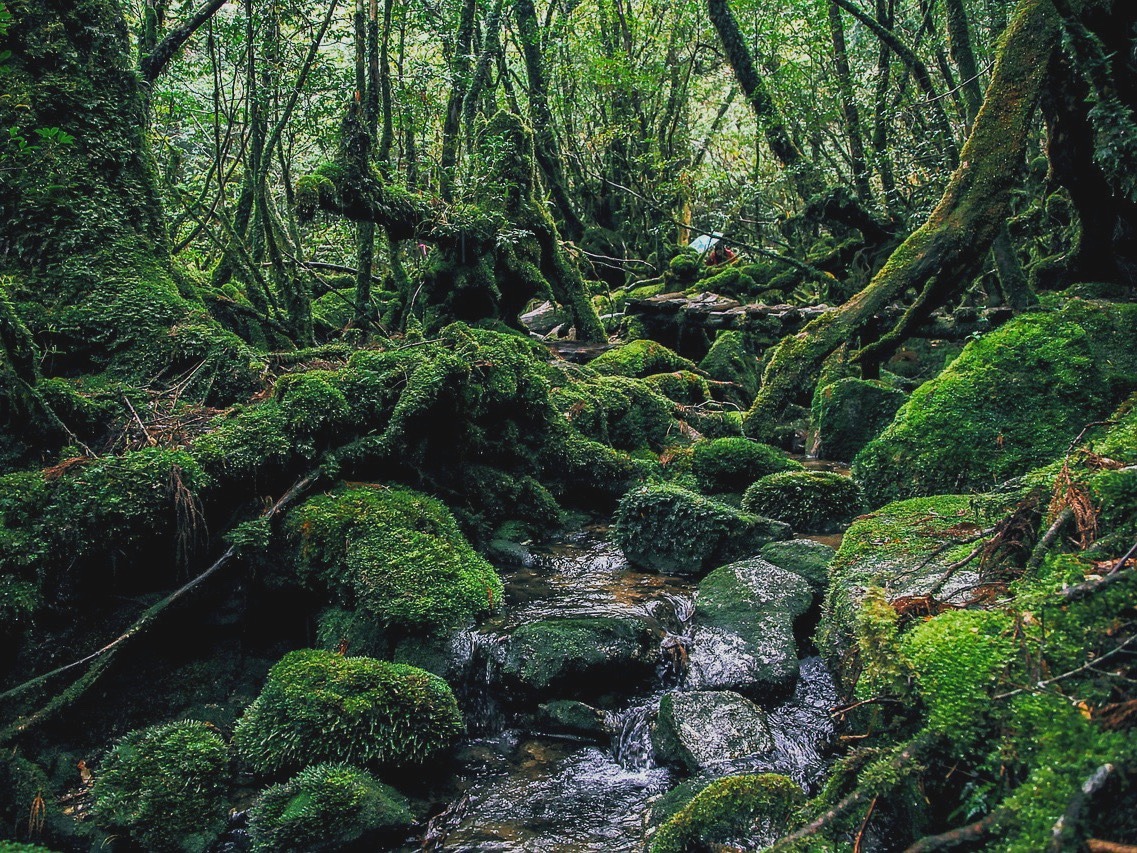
940,257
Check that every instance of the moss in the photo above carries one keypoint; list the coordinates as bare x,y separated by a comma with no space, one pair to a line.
619,411
734,282
639,359
957,659
325,808
681,386
1011,401
670,529
586,467
804,557
810,501
684,268
731,464
246,442
165,786
319,706
731,359
394,554
848,414
759,806
312,403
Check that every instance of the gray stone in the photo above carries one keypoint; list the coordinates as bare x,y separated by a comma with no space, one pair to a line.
700,730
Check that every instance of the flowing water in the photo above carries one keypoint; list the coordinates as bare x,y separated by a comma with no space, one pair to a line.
522,789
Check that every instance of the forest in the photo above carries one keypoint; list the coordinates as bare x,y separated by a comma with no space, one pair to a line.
568,425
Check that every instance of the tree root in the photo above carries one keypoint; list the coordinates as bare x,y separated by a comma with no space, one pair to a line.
102,658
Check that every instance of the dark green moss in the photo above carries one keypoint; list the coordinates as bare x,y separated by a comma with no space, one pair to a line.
619,411
808,501
848,414
731,464
670,529
319,706
803,557
165,787
325,808
681,386
731,359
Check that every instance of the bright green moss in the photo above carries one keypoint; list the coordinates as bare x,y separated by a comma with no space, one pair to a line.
246,441
684,268
733,463
394,554
1011,401
319,706
639,359
851,412
325,808
681,386
957,659
165,786
809,501
728,809
619,411
671,529
311,402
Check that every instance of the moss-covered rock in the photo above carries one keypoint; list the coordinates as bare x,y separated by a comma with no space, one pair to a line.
804,557
758,808
701,730
732,464
808,501
681,386
165,787
570,717
851,412
620,411
325,807
395,554
684,268
1011,401
580,656
639,359
319,706
731,359
671,529
744,628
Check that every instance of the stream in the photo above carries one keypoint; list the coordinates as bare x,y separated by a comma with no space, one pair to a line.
522,787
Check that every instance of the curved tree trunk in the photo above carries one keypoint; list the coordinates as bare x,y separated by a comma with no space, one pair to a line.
941,256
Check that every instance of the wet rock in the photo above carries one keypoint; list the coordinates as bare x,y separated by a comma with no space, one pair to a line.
700,730
744,628
670,529
569,717
811,501
582,656
852,412
803,557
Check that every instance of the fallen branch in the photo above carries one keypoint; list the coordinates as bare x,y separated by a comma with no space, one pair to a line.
1097,845
1042,685
1049,538
1088,588
1061,834
101,659
972,835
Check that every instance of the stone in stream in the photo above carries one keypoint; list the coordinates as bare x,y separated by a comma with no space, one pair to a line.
569,717
700,730
744,628
810,501
803,557
587,655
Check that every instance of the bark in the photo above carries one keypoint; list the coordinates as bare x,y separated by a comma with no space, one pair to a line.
459,83
940,257
157,58
849,111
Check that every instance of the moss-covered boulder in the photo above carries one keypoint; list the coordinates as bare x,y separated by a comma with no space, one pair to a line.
681,386
619,411
667,528
582,656
850,413
744,628
394,554
165,787
640,359
731,464
902,549
808,501
573,718
731,359
320,706
759,808
804,557
702,730
326,807
1011,401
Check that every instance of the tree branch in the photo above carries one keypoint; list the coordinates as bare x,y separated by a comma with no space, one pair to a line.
153,65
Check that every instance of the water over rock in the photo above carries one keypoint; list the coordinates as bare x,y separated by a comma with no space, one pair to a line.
744,628
702,729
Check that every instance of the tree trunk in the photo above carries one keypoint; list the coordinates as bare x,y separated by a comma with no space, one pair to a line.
946,249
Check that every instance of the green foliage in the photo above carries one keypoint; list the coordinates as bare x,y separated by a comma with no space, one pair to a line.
319,706
811,501
731,464
165,786
325,808
671,529
619,411
730,808
850,413
1011,401
394,554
